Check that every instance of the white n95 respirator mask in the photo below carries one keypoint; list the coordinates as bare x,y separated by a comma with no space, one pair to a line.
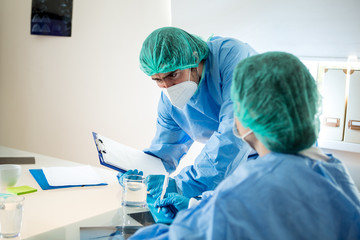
181,93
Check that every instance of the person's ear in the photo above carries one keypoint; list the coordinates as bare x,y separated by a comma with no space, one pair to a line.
196,56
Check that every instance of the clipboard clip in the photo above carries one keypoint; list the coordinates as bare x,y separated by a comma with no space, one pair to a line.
100,145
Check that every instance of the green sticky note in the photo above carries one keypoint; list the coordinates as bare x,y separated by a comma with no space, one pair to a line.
21,190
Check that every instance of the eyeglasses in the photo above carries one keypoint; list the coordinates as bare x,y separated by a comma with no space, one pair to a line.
169,77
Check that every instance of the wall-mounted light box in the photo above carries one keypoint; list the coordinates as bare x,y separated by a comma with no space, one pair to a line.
51,17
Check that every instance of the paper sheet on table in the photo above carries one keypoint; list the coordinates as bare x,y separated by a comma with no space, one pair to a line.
64,176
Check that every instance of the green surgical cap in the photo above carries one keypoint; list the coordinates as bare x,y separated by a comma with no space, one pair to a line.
275,95
168,49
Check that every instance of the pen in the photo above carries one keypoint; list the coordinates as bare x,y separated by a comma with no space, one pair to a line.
164,187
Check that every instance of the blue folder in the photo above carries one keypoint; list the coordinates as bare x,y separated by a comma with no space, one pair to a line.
40,178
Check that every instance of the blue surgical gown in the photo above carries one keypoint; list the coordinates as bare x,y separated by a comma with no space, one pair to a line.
207,118
277,196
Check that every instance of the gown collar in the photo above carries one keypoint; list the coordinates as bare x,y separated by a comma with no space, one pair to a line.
314,153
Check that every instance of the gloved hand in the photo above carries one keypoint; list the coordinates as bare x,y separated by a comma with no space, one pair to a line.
121,175
170,201
155,184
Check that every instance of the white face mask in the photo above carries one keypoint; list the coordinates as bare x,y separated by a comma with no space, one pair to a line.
181,93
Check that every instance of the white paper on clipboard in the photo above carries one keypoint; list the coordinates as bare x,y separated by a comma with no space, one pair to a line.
127,158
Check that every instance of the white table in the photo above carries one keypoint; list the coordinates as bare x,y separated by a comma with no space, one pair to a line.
59,213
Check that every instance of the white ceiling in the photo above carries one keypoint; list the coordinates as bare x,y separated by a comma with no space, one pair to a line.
306,28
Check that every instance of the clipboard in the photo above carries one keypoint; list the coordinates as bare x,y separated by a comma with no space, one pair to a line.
123,158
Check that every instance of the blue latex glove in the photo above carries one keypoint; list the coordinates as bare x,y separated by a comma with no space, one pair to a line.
170,201
121,175
155,184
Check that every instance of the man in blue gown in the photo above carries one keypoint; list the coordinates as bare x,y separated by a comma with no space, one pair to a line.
293,190
195,105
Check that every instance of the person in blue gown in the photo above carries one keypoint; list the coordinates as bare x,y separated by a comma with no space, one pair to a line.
195,105
292,190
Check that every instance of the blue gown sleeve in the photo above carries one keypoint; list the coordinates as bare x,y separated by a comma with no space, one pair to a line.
154,232
170,143
194,223
223,152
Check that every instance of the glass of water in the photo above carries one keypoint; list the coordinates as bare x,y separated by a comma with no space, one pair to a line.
11,211
134,192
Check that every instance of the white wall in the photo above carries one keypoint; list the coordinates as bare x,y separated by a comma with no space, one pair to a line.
54,91
320,30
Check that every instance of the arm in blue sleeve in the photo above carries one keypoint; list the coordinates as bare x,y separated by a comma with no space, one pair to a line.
170,143
220,156
154,232
223,151
196,223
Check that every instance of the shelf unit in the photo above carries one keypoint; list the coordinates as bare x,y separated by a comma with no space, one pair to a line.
339,145
317,68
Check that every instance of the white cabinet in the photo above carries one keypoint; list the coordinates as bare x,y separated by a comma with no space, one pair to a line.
333,104
339,85
352,125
